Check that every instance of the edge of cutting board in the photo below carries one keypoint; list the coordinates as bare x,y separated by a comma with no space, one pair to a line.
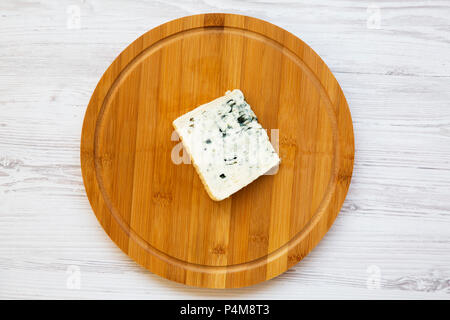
207,275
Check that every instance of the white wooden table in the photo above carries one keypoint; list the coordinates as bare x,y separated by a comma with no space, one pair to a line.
392,59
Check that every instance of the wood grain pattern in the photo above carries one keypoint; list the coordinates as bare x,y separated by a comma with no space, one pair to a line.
157,211
395,216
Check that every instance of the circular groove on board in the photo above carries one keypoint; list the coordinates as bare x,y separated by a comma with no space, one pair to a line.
163,256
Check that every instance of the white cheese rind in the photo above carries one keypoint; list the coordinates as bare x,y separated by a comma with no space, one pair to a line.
228,146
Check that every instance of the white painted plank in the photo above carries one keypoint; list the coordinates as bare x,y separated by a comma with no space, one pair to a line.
396,218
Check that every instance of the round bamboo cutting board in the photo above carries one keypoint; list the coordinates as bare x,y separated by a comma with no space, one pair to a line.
157,211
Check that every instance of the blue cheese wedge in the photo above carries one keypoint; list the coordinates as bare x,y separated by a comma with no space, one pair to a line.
227,145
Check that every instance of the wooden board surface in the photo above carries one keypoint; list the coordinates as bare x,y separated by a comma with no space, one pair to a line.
157,211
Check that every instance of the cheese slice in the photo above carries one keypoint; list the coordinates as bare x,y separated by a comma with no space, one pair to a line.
227,145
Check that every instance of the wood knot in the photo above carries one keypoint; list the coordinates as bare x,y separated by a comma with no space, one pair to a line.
350,157
259,238
344,177
162,198
7,163
87,157
219,249
214,19
105,159
287,149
